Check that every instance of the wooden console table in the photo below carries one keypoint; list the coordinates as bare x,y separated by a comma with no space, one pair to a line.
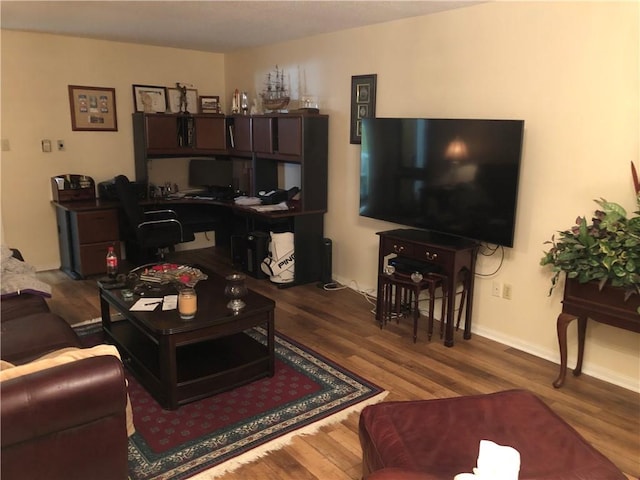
584,301
455,256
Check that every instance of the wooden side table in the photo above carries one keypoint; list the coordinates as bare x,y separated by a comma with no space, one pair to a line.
399,290
454,256
582,301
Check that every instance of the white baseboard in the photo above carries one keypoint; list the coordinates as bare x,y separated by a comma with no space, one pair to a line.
606,375
603,374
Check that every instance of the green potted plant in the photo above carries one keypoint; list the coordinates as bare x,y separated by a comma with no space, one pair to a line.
605,251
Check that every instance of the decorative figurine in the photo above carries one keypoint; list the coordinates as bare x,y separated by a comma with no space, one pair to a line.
275,97
235,290
245,103
235,102
183,98
254,107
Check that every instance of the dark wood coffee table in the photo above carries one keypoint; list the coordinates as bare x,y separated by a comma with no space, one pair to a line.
179,361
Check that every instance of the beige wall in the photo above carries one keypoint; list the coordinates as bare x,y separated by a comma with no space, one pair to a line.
570,70
36,70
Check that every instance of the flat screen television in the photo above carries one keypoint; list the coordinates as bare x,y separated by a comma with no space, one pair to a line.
452,176
211,174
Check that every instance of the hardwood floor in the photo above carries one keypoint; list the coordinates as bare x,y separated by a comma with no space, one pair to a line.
340,325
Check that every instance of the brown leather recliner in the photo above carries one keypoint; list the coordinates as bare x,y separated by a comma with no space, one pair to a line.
65,422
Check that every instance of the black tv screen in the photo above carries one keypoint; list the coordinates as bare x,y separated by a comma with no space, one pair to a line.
453,176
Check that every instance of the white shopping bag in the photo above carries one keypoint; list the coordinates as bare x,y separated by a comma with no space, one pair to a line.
279,265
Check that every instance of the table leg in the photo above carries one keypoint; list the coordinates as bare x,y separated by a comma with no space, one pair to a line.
379,302
451,305
564,319
582,333
168,371
416,312
469,304
105,312
432,300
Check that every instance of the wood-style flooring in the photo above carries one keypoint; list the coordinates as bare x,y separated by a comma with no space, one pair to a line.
340,325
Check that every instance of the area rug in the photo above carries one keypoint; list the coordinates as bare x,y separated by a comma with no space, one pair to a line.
205,439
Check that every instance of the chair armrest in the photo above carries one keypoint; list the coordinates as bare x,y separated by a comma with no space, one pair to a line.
63,398
170,222
162,214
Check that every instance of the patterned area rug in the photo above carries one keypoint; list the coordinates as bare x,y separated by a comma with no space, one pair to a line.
204,439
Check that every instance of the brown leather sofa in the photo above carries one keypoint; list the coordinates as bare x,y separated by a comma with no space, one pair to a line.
438,439
65,422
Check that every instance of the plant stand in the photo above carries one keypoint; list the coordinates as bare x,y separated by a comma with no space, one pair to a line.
585,300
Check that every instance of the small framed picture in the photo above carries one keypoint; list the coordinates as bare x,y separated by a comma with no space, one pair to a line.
150,99
174,100
93,108
210,104
363,103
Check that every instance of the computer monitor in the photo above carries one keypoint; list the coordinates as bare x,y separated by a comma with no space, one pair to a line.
211,174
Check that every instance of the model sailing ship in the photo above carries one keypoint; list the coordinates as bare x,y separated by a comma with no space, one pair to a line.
275,97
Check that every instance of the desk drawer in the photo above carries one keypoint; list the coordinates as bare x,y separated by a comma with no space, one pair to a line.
400,247
433,254
97,226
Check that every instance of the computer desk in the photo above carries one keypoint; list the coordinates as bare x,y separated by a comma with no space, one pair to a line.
87,228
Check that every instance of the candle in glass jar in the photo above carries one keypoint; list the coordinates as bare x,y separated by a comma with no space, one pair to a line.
187,303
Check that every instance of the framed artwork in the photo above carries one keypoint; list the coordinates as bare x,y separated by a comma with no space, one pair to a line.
363,102
173,98
149,98
210,104
93,108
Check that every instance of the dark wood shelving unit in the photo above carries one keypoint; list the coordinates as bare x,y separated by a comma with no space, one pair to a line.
259,145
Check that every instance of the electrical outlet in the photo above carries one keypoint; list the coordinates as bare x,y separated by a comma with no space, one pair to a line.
496,289
506,291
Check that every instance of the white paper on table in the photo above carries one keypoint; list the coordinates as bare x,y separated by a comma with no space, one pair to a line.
170,302
145,304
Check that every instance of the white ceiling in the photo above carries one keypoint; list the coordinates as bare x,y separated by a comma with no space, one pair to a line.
214,26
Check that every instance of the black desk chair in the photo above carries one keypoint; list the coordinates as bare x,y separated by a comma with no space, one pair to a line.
149,232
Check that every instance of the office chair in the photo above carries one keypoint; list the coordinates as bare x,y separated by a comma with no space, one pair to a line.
148,232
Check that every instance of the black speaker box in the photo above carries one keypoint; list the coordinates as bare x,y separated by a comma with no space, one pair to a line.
327,270
239,252
257,249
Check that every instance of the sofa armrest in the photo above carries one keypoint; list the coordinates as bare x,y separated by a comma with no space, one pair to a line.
73,414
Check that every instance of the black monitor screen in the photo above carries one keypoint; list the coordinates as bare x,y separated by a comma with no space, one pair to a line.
212,174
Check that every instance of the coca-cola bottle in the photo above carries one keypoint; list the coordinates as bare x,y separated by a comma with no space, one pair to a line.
112,263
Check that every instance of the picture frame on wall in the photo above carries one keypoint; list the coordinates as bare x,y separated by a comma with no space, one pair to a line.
210,104
93,108
173,100
150,98
363,103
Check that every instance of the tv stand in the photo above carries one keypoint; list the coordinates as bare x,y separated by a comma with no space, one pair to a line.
455,257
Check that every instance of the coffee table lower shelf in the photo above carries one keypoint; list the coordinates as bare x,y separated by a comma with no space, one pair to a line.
201,369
